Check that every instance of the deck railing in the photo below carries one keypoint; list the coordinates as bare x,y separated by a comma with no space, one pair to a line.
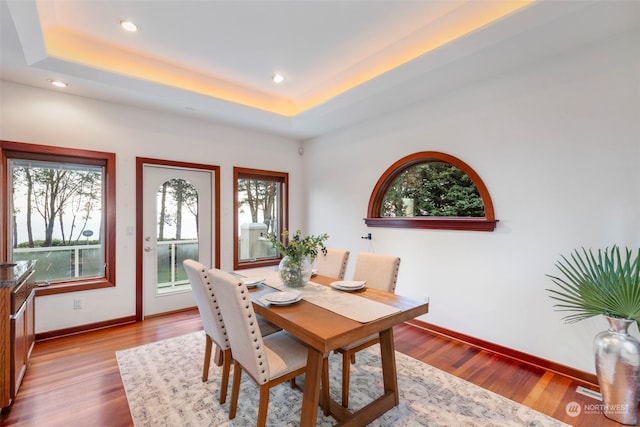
85,261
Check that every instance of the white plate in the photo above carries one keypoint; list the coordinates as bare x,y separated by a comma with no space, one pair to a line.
349,284
283,298
287,302
252,282
338,288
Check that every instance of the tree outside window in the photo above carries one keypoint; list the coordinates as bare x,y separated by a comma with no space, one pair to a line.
260,198
431,190
177,196
177,233
59,210
57,218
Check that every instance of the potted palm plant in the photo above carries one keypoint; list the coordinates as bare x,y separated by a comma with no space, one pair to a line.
606,282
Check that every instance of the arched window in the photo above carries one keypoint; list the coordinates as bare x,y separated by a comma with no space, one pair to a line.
431,190
177,234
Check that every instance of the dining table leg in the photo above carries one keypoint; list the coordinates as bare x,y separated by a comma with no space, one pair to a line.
383,403
311,393
388,356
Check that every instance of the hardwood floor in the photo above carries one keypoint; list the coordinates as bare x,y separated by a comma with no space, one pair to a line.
74,381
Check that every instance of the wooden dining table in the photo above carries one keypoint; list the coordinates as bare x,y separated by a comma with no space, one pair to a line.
323,331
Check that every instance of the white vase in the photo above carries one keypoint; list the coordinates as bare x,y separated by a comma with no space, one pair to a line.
618,370
293,273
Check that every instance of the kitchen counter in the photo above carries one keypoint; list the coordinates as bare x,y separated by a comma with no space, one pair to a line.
14,273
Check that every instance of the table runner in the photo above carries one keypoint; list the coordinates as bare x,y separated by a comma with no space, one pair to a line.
349,305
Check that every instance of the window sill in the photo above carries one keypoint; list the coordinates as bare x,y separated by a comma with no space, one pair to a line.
256,264
444,223
73,286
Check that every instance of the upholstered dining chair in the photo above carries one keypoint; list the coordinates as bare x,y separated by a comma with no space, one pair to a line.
269,360
213,324
381,273
333,263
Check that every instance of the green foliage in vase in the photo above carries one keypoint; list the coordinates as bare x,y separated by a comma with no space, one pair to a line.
602,283
297,247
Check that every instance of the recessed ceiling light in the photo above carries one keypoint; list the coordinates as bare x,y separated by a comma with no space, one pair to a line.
58,83
278,78
129,26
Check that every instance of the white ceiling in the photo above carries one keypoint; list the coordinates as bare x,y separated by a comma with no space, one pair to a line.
345,61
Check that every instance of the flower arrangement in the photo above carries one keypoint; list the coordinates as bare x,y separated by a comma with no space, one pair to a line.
298,254
297,247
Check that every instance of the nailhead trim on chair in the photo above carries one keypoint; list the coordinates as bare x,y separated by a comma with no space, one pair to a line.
254,331
213,323
205,276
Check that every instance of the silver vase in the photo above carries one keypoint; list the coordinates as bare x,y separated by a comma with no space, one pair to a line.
618,370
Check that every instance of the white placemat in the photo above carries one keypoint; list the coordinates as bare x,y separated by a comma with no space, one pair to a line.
346,304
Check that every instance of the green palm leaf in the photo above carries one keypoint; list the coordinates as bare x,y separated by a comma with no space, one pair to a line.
594,283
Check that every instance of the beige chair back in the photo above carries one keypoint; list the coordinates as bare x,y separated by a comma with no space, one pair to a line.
333,263
380,271
207,302
241,324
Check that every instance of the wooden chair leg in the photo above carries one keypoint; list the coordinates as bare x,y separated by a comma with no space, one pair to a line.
346,367
235,389
218,356
208,344
226,367
325,387
263,406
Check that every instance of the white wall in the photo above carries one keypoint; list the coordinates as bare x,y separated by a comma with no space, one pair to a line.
52,118
557,144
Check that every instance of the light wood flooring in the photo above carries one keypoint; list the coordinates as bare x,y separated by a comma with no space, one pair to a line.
74,380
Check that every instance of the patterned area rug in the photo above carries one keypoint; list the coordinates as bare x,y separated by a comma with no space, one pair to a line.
164,388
